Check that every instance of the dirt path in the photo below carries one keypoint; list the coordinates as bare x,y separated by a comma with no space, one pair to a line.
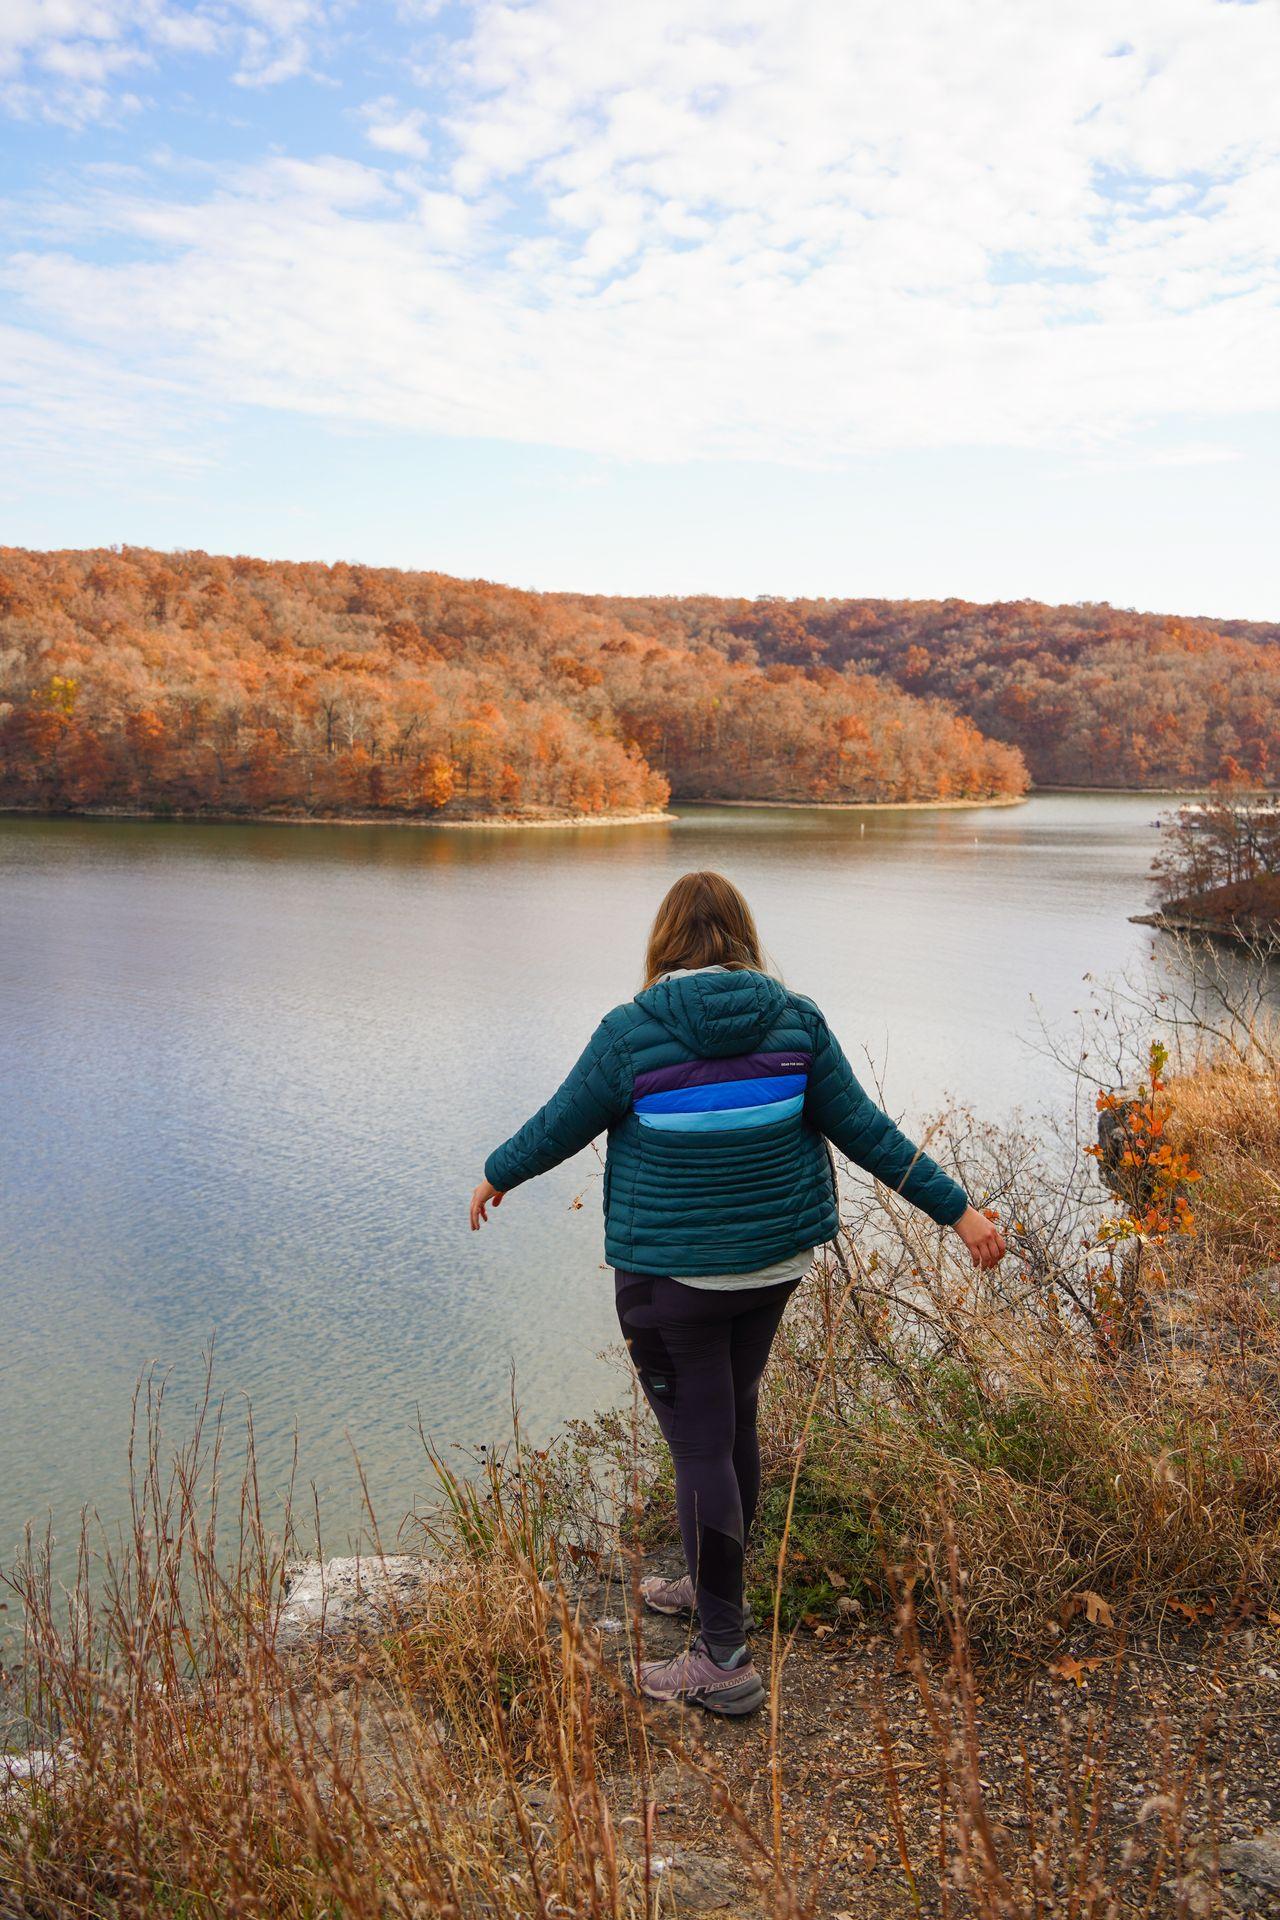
1170,1734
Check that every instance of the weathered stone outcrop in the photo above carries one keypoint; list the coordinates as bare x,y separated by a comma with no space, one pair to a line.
353,1596
36,1766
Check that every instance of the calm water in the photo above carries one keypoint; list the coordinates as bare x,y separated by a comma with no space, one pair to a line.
249,1076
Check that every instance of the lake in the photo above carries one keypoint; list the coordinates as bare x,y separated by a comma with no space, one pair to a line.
250,1075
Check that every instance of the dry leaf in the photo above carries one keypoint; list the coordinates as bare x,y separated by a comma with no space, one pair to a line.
1067,1667
1096,1609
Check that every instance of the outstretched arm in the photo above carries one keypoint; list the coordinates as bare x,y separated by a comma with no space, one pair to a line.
595,1095
840,1107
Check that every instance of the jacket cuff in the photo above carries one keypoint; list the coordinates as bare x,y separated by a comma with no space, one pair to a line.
950,1211
498,1175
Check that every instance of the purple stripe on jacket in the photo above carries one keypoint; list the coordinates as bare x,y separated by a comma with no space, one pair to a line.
709,1073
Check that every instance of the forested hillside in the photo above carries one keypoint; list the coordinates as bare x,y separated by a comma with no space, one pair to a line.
1091,695
188,683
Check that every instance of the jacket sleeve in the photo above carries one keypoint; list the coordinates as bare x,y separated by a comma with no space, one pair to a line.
857,1127
595,1095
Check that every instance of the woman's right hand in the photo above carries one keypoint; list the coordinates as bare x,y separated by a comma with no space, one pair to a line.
982,1237
480,1200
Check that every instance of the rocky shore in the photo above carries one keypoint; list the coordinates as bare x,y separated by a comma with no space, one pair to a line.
1247,912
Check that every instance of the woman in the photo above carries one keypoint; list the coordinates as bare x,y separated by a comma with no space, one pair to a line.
719,1090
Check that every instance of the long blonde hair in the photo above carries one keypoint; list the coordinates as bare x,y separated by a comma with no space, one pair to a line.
703,922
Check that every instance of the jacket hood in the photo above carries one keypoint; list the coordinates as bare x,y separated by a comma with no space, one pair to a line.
716,1014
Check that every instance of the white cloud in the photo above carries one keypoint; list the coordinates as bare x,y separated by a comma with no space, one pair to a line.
67,403
697,228
1193,453
59,58
396,130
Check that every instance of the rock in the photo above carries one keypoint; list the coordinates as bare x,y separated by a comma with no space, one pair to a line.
496,1816
1256,1860
370,1735
37,1767
668,1787
1125,1126
335,1598
495,1809
1160,1277
1193,1325
691,1882
1175,1317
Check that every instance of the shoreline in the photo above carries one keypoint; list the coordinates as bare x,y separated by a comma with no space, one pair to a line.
1232,932
331,819
1135,793
557,820
869,806
639,817
369,1678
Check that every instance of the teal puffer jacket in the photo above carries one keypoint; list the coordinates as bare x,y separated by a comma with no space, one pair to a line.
719,1090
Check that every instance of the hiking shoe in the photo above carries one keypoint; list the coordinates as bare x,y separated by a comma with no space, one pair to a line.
694,1679
676,1598
669,1596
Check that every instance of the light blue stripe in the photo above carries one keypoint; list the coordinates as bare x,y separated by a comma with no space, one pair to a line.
736,1117
723,1094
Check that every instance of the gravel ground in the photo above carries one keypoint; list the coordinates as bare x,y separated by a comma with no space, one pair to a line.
1183,1724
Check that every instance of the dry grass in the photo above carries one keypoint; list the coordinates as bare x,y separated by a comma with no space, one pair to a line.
1147,1476
1101,1415
476,1753
480,1753
1226,1117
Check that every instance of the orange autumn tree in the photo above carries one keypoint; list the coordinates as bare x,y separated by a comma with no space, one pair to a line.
1089,694
1151,1176
191,683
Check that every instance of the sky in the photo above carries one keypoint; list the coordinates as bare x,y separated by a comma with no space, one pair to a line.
824,297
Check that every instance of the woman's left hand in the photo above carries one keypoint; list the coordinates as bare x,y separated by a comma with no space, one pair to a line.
982,1237
480,1199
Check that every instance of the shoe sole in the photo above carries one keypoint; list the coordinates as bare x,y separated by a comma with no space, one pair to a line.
733,1702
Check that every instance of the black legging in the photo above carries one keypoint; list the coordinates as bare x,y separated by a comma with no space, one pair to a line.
700,1352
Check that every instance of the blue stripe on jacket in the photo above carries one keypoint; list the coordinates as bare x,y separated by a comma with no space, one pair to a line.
727,1093
737,1117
